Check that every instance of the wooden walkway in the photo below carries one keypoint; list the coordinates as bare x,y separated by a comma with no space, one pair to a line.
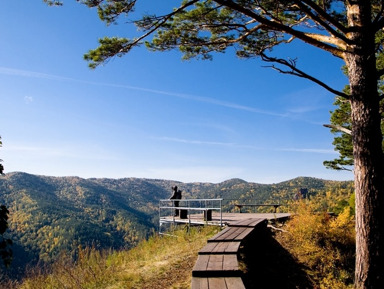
227,218
217,266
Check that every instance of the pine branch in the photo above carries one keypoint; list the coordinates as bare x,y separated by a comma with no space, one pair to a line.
297,72
277,26
338,128
324,15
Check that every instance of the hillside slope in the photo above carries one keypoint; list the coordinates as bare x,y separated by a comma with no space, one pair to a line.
158,263
49,215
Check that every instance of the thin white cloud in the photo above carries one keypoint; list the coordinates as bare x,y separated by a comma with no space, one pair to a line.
196,142
211,143
28,99
32,74
241,146
67,152
213,101
304,109
310,150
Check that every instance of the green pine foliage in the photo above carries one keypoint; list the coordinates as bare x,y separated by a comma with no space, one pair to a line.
342,142
341,117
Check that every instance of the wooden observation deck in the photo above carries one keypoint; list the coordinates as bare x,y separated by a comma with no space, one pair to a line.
209,212
217,266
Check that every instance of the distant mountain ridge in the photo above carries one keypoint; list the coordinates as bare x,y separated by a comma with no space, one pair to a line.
49,215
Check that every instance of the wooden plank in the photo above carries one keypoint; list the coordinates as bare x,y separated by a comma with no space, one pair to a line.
245,233
220,237
250,222
258,222
228,235
216,266
199,283
220,248
241,223
235,234
216,283
230,263
215,263
219,257
234,283
209,248
221,233
201,263
233,247
227,248
255,222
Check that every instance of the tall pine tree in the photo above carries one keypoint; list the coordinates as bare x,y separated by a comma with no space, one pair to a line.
350,30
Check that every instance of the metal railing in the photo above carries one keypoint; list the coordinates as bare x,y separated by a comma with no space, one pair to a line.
189,207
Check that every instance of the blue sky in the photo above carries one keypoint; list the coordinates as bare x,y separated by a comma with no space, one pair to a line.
151,114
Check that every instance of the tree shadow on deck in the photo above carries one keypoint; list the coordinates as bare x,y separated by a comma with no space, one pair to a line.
267,265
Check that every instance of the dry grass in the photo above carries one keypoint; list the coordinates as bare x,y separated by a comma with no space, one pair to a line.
160,262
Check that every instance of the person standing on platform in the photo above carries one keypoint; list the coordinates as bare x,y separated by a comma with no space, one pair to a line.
176,196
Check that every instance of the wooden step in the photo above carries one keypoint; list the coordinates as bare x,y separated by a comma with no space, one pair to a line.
217,283
231,234
220,248
216,266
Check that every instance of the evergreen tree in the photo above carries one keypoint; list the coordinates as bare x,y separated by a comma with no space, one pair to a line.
5,250
342,128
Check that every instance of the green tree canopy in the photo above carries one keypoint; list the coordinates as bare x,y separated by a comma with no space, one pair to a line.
341,127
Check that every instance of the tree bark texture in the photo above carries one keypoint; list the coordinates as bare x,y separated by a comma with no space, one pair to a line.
369,184
367,149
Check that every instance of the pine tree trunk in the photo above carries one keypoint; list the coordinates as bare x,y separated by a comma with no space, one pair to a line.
369,187
367,149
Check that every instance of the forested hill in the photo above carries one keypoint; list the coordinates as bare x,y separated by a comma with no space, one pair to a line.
49,215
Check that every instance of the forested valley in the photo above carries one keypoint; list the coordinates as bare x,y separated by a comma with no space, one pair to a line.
50,216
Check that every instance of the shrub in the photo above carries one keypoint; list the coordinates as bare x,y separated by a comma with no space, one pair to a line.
322,243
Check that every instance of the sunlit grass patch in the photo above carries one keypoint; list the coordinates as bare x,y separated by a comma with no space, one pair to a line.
159,262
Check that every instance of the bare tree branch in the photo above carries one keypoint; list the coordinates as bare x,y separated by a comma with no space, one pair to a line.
297,72
338,128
